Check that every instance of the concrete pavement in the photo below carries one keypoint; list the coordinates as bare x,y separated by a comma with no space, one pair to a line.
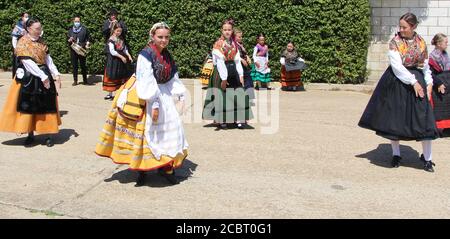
319,164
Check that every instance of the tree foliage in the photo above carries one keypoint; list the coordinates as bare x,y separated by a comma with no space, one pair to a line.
331,35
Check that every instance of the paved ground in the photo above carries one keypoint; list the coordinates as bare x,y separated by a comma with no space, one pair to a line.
318,164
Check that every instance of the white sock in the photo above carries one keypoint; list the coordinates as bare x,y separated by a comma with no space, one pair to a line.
426,146
395,147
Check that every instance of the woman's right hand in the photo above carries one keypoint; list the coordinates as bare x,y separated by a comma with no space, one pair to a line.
155,115
224,84
124,60
441,89
419,90
46,83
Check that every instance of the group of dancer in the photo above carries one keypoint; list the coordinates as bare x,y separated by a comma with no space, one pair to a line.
143,127
257,72
412,100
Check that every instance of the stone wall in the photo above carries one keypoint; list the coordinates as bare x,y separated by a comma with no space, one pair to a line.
434,17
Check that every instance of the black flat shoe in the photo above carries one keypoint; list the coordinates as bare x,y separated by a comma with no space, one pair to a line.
169,176
140,181
74,84
396,161
49,142
240,126
29,140
108,97
427,165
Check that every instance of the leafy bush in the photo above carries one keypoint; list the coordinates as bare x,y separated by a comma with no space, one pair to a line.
332,35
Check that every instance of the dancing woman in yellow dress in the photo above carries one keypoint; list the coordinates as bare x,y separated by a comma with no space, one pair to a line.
156,140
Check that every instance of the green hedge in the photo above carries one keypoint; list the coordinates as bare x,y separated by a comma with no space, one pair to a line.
332,35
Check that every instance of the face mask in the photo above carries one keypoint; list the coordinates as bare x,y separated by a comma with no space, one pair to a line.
42,33
77,24
26,19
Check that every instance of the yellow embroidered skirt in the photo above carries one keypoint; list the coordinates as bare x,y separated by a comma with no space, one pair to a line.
123,141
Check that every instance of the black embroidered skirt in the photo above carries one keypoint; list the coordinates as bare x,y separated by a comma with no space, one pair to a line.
394,112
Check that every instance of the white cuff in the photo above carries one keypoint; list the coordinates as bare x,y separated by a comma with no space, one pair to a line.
155,105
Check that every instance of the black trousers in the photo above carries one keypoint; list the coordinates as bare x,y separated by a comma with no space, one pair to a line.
75,58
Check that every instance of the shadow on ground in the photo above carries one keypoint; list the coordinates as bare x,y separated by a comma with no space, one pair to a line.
62,137
95,78
63,112
153,179
229,126
382,156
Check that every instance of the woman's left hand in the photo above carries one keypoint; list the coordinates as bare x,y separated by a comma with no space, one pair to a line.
242,80
155,115
441,89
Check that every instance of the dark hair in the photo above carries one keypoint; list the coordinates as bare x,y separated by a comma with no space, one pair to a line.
410,18
23,14
77,16
112,12
290,42
260,35
114,27
228,21
31,21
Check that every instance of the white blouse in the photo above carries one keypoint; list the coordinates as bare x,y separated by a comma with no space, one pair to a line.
34,69
403,74
255,51
113,51
219,61
147,88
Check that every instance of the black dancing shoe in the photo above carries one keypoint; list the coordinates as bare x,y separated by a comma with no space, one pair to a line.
427,165
169,176
395,163
108,97
74,84
140,181
29,140
240,126
49,142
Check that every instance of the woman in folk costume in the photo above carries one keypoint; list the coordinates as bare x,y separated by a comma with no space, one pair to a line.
32,104
118,62
261,70
226,101
18,32
440,66
246,64
399,108
291,69
155,139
